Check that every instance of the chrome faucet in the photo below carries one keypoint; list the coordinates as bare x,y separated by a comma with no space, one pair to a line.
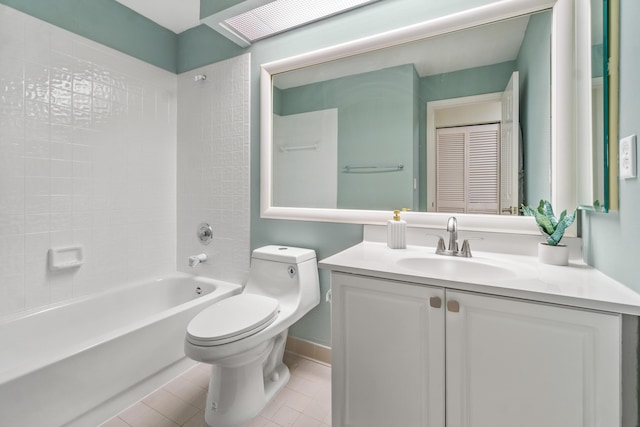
197,259
452,228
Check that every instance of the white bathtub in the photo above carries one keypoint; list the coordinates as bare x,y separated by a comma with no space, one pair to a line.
80,362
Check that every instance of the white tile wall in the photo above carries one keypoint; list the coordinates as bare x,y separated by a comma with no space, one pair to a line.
213,167
87,156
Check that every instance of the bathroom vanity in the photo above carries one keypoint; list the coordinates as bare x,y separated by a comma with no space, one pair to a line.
420,339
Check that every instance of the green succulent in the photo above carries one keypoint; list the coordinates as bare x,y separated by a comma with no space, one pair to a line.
552,228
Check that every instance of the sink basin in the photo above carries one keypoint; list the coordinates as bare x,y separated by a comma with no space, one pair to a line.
460,269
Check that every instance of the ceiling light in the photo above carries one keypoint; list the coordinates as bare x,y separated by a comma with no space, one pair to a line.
253,20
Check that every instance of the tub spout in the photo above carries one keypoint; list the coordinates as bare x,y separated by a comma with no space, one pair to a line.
197,259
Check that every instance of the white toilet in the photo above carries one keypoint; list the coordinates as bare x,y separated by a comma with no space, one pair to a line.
243,337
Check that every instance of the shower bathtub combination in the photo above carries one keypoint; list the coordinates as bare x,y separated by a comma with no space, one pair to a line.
81,361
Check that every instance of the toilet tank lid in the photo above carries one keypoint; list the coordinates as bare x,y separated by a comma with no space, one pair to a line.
285,254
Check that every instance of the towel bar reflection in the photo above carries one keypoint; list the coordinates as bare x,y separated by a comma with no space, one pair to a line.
372,168
285,148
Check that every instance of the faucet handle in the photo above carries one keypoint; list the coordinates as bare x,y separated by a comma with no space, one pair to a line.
466,249
440,247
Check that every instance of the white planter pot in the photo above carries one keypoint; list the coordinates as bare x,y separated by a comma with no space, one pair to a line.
554,255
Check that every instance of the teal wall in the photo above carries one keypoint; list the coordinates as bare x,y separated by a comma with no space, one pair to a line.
110,23
277,101
534,65
597,60
375,126
200,46
611,240
418,118
469,82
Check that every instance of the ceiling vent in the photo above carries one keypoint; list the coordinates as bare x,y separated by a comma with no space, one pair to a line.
254,20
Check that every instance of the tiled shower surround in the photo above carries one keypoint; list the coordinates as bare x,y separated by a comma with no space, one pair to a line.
213,167
88,156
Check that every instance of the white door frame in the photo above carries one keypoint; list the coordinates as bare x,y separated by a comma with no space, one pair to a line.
432,107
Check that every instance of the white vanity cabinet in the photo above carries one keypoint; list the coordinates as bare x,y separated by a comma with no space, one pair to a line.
387,353
411,355
517,363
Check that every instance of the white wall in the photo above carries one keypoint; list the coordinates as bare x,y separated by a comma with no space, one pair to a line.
213,167
87,156
464,115
306,177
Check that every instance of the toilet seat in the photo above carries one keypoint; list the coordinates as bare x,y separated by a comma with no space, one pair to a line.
232,319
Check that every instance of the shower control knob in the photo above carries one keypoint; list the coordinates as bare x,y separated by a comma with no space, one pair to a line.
204,233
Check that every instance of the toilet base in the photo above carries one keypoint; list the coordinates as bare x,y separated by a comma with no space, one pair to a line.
237,395
239,392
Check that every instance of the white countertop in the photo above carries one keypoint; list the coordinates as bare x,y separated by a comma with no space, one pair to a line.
577,284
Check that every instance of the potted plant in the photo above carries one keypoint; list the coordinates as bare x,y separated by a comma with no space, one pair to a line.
551,252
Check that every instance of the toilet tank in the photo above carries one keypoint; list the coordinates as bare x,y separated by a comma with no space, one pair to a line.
287,273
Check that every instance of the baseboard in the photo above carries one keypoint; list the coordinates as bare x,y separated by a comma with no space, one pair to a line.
309,350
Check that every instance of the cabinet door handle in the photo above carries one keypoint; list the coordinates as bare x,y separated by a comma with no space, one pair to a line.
435,302
453,306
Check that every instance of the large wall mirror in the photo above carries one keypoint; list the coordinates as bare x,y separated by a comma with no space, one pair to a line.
470,114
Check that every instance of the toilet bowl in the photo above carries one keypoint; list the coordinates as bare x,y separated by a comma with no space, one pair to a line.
243,337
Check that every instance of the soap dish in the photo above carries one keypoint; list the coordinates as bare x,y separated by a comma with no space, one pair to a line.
65,257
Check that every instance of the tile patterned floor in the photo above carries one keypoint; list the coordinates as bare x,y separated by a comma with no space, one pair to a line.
304,402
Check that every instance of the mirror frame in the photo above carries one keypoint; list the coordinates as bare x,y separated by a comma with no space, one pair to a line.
568,177
612,113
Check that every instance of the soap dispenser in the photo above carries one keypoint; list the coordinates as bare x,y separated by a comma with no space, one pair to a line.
397,232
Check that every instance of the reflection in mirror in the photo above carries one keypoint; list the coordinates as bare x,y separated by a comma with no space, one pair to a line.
566,176
455,123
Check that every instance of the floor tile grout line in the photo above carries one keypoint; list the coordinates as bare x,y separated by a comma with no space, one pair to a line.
159,413
305,371
121,419
197,414
180,398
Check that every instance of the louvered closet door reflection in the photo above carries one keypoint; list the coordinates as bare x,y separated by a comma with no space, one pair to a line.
450,164
468,170
483,195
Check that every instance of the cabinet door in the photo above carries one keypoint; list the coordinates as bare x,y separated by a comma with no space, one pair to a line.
387,353
513,363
